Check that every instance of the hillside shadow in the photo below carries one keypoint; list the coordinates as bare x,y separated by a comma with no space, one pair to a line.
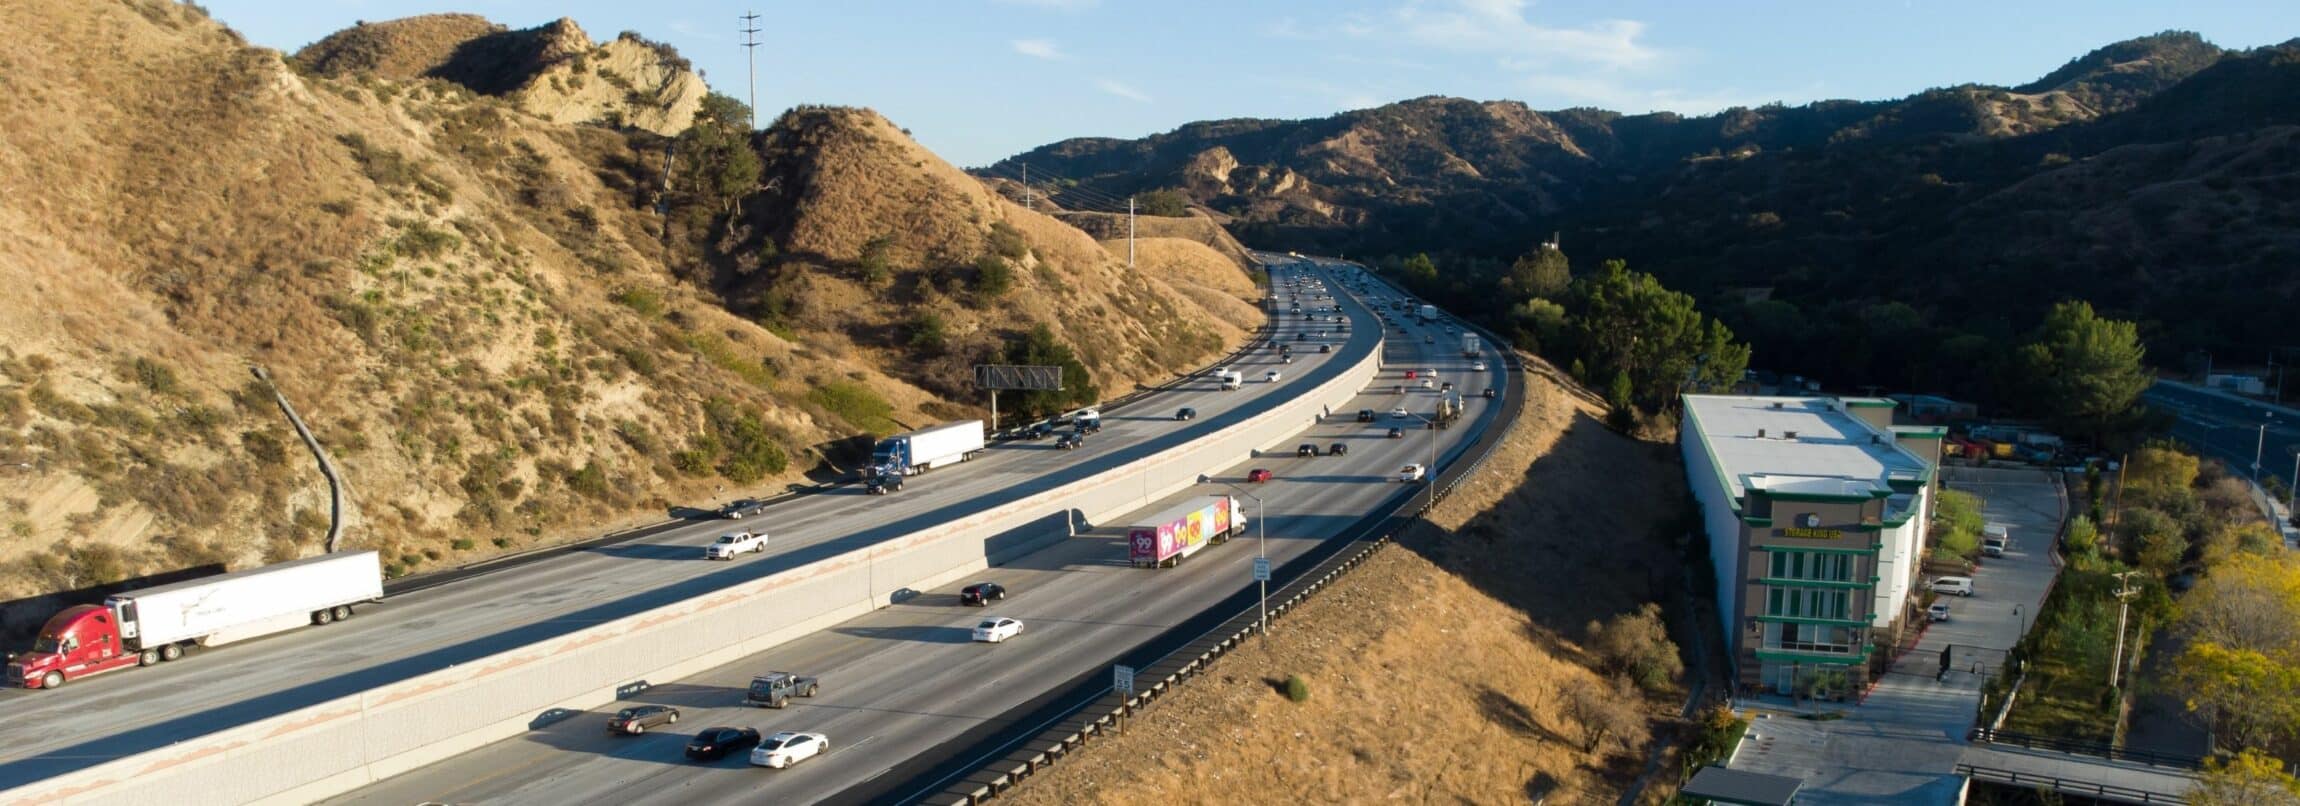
1590,531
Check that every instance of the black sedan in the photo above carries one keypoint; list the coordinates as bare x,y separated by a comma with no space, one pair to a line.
1186,414
715,743
981,593
743,508
635,721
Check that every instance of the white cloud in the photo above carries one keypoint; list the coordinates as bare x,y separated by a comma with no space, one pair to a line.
1501,27
1121,90
1039,48
1606,93
1054,5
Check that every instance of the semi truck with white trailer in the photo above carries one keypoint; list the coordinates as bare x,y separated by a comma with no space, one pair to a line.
1471,345
1429,313
918,451
157,624
1165,538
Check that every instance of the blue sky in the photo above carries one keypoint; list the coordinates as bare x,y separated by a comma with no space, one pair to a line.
979,80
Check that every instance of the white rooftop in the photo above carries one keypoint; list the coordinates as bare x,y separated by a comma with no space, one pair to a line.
1808,444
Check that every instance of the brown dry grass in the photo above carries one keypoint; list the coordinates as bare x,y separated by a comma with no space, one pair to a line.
180,206
1450,692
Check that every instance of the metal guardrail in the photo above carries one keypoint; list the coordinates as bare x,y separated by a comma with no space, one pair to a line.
2063,785
1000,771
2085,748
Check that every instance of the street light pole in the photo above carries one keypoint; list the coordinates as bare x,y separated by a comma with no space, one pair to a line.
2259,446
2292,486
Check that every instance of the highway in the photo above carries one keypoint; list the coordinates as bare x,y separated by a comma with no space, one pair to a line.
2229,429
904,684
127,712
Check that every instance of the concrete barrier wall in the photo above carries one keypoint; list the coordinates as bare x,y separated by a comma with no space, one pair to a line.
342,744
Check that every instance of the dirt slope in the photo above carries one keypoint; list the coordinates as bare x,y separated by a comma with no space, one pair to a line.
469,303
1435,670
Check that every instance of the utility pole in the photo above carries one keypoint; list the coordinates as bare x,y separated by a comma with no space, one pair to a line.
1129,233
2116,510
2124,594
1026,205
2259,446
750,54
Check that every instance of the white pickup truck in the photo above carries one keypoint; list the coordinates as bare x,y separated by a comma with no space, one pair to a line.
733,543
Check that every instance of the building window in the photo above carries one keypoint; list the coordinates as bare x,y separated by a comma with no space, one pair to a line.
1797,602
1810,638
1812,566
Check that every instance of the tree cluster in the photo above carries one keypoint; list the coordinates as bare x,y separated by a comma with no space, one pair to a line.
1039,346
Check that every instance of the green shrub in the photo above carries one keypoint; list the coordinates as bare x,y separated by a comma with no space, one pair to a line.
1007,242
154,376
1297,689
992,277
463,544
646,302
928,333
591,480
856,404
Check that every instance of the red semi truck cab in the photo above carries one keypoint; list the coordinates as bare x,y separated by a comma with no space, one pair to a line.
79,641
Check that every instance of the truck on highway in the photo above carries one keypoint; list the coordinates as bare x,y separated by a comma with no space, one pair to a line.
1230,378
732,543
918,451
1163,539
1470,345
775,689
149,626
1449,408
1429,313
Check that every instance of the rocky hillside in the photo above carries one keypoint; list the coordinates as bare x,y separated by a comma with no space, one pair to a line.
2149,176
554,71
491,317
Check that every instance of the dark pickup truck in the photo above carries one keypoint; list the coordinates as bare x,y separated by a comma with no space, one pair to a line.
775,689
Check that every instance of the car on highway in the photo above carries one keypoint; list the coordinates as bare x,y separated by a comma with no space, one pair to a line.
743,508
1272,376
1400,413
1412,374
1039,431
1338,449
1429,339
1938,612
787,748
1303,336
1365,415
981,594
732,543
1286,359
1492,392
1397,433
1410,473
1305,449
635,721
713,744
997,630
1186,413
1477,366
1325,348
1258,475
1426,383
1070,441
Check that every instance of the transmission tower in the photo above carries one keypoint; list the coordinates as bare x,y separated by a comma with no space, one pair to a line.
750,54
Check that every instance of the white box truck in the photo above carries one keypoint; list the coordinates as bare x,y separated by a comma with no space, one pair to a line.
917,451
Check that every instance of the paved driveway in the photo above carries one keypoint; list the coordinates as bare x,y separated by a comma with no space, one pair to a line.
1903,742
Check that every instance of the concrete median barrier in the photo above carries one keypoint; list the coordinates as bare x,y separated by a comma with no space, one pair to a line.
343,744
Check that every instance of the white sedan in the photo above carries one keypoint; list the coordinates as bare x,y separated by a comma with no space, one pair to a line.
1400,413
995,630
1409,473
1477,367
787,748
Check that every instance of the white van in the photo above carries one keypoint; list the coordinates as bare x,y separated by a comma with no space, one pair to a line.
1995,538
1953,586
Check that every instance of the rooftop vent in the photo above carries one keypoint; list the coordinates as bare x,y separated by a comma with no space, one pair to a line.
1788,435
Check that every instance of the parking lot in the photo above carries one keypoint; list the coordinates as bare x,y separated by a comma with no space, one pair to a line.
1902,742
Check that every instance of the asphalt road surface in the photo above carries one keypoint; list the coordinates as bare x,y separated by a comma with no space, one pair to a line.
109,716
2230,429
906,680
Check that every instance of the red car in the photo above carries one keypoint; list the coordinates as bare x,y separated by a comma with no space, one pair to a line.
1258,475
1409,374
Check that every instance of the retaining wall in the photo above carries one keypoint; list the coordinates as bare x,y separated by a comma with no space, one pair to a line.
334,747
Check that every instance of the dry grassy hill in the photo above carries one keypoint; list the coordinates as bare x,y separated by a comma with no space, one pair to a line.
468,301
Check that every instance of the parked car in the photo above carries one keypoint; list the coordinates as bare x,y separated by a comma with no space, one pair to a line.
1070,441
789,747
1938,612
981,594
1186,413
1397,433
715,743
1365,415
635,721
1955,586
743,508
1338,449
996,630
1258,475
1410,473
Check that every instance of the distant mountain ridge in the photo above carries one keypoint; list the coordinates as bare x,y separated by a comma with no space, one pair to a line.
2151,176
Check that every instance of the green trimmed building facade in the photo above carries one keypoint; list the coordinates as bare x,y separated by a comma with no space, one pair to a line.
1815,509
